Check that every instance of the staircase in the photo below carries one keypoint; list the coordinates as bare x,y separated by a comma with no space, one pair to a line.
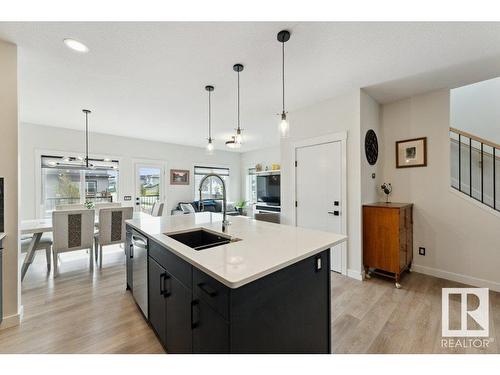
475,167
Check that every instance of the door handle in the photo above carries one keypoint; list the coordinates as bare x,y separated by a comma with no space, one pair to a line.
163,290
194,322
131,252
318,263
335,213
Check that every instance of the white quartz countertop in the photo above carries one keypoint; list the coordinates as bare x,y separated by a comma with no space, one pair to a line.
264,247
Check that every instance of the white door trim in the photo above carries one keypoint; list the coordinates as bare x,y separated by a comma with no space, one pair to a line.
329,138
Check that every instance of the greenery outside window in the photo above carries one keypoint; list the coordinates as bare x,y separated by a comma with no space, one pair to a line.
212,187
67,181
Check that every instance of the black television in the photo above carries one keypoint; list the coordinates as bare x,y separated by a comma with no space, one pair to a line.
268,189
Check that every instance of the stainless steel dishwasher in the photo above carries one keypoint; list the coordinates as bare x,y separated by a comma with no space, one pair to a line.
139,256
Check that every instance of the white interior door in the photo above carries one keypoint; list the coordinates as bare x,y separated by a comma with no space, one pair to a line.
149,185
318,179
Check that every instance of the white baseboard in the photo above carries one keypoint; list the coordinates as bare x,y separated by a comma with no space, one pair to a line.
10,321
464,279
355,274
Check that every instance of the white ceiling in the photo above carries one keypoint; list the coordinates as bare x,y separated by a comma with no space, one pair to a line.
146,80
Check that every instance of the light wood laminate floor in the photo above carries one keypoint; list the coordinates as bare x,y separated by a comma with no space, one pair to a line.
374,317
83,313
79,312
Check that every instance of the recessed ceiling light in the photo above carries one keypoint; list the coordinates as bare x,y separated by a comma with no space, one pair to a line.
75,45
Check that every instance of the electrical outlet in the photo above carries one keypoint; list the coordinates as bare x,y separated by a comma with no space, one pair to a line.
421,251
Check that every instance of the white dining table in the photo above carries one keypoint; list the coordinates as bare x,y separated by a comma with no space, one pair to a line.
37,227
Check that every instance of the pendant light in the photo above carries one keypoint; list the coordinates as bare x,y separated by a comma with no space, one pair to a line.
238,137
283,37
210,145
232,143
87,112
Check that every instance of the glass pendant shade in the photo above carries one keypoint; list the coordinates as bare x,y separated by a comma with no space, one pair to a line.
238,138
284,126
210,147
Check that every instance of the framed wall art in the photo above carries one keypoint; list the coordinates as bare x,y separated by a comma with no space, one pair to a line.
179,177
411,153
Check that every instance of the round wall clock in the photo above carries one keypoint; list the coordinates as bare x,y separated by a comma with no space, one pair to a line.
371,147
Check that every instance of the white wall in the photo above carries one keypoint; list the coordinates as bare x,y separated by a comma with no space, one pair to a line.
127,150
461,239
370,119
338,114
474,109
264,156
9,171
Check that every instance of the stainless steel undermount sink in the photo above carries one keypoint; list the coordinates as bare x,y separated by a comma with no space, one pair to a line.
201,239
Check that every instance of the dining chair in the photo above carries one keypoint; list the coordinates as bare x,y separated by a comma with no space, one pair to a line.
45,243
157,209
72,206
79,206
72,230
101,205
111,228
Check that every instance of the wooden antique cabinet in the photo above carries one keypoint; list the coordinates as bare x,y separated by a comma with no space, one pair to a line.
388,239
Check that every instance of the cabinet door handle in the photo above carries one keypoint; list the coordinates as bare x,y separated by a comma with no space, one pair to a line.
318,263
163,278
131,251
207,289
194,321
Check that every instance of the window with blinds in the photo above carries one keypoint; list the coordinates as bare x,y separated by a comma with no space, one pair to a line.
67,180
212,187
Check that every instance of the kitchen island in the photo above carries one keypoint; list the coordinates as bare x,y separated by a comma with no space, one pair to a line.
257,288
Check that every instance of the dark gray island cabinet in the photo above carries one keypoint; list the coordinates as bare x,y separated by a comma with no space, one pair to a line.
286,311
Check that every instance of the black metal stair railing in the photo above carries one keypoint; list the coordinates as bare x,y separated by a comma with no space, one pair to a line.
474,167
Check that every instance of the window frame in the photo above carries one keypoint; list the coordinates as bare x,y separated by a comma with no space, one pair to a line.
213,169
39,153
251,175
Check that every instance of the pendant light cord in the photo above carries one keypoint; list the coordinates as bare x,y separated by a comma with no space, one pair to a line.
87,139
238,100
209,117
283,72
